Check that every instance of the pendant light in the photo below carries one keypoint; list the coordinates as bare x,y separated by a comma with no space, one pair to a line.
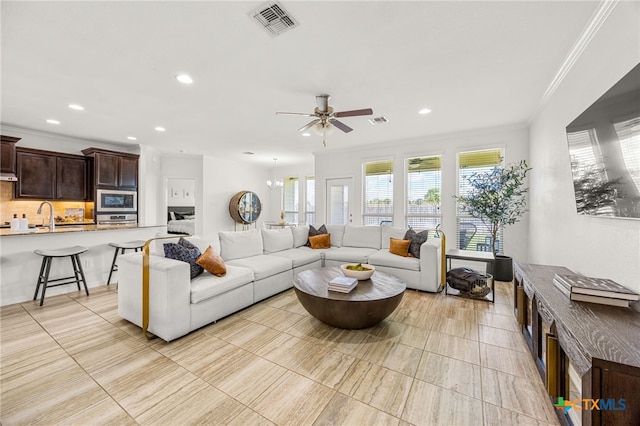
275,183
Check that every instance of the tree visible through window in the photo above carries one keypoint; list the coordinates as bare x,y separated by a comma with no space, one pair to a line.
472,233
424,175
378,193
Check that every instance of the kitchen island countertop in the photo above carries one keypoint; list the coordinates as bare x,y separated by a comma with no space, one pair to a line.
69,228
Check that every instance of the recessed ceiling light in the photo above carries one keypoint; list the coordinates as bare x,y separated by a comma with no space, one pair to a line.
132,138
184,78
50,121
160,129
306,134
76,107
424,111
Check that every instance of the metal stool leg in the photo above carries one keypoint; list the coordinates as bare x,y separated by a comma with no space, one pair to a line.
113,265
84,280
75,271
44,263
46,279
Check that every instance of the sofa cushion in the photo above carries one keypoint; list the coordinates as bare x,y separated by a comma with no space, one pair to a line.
337,234
212,262
349,254
202,242
417,238
399,247
264,265
361,236
185,252
275,240
384,258
322,241
313,232
300,256
387,232
207,286
241,244
300,235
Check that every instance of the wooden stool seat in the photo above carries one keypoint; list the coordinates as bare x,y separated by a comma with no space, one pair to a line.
47,258
120,248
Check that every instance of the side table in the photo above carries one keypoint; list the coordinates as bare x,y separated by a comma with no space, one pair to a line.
474,256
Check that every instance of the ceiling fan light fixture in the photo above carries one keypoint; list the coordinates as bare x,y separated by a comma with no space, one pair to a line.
324,128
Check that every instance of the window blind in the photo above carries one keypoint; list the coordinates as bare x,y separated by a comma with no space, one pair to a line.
378,192
424,187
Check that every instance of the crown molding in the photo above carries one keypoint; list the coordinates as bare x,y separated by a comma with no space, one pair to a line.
598,18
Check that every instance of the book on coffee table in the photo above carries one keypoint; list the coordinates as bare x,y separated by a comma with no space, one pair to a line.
343,284
602,287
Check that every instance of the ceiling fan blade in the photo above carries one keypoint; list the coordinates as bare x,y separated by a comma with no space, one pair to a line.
340,125
309,125
354,112
323,102
296,113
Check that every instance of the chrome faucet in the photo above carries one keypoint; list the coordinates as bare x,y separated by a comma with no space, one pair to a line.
52,224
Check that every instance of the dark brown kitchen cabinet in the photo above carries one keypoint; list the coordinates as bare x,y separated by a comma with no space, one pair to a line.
8,154
111,169
47,175
71,178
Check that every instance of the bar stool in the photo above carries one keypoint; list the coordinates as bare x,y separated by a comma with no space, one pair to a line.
48,255
130,245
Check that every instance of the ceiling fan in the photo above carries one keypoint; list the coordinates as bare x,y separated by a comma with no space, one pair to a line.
325,119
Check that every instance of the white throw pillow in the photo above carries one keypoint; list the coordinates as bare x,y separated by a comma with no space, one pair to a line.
361,236
300,235
240,244
275,240
337,234
389,232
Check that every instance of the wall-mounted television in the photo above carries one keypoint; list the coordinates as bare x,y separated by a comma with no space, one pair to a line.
604,146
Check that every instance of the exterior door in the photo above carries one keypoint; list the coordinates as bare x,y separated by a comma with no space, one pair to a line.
339,203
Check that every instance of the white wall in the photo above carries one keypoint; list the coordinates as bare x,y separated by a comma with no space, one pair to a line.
601,247
348,163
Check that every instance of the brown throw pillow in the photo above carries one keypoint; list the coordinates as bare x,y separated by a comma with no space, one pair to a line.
212,262
322,241
399,247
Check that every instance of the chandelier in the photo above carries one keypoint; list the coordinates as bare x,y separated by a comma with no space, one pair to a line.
275,183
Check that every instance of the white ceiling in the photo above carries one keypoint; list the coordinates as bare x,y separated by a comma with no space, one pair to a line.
475,64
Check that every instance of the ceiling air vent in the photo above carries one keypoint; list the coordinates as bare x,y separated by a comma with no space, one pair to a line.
378,120
273,18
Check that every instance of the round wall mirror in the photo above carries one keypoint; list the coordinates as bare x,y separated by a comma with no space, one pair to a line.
245,207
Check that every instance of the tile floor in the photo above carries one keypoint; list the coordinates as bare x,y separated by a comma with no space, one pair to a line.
437,360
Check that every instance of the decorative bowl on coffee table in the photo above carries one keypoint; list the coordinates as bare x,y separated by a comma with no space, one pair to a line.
358,274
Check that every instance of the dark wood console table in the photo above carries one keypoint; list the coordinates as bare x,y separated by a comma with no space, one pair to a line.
582,350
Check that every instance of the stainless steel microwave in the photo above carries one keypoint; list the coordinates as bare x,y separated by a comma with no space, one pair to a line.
111,200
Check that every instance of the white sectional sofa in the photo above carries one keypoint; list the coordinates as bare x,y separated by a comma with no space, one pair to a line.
260,263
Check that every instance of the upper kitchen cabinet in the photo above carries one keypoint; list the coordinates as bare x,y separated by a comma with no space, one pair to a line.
8,154
47,175
112,169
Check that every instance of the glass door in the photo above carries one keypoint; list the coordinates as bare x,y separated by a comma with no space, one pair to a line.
339,207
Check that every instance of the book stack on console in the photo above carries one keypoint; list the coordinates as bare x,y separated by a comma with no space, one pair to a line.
594,290
343,284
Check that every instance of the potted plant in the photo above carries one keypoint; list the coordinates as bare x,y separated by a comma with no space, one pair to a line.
498,198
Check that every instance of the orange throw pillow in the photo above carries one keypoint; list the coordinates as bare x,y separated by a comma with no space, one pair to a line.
322,241
399,247
212,262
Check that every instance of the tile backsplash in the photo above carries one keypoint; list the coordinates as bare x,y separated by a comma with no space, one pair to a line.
10,206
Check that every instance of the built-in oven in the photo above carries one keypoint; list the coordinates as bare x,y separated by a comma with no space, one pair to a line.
116,201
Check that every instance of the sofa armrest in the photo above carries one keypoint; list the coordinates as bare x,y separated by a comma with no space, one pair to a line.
431,264
169,294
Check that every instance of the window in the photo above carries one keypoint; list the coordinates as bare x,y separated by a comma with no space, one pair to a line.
424,187
291,200
472,233
310,206
378,193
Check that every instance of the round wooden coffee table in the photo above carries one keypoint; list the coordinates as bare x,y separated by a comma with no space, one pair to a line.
369,303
